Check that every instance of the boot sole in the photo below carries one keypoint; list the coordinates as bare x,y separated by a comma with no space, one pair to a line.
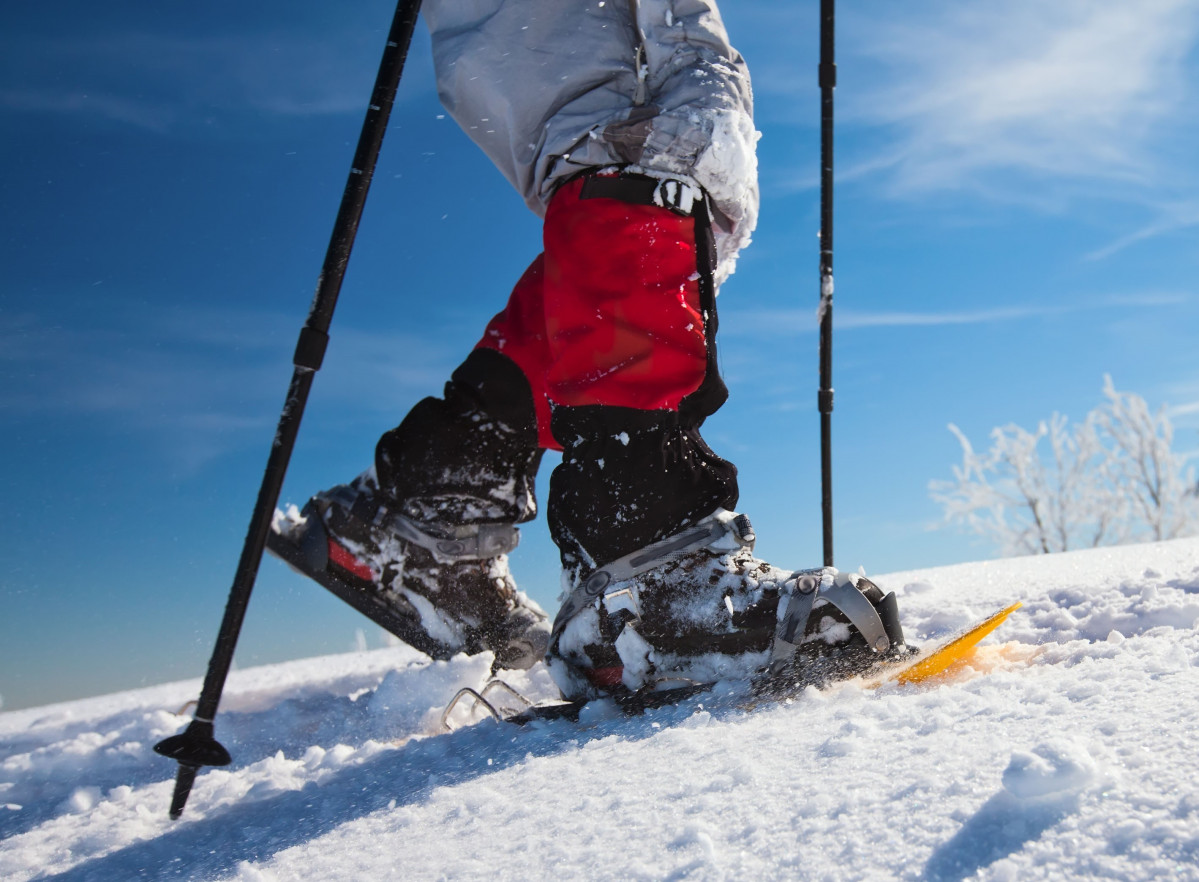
306,551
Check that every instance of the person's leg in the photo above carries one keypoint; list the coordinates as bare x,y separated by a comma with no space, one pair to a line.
631,319
428,529
469,457
661,580
519,333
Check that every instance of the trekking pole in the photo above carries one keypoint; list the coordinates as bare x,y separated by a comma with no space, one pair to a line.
828,82
196,746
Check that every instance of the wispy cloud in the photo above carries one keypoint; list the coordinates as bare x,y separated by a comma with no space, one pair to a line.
1170,219
166,82
853,320
1060,107
1182,397
1070,90
791,321
192,385
1145,299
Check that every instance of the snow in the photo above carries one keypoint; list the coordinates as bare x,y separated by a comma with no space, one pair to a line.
1066,750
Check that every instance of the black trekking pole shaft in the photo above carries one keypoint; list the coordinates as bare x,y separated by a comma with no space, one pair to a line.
196,747
828,82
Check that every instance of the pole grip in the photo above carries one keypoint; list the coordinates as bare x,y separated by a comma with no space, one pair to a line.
310,349
827,75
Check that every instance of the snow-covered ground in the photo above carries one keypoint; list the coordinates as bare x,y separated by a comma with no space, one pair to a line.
1074,756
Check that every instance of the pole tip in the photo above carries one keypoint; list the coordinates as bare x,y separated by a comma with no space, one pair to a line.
183,788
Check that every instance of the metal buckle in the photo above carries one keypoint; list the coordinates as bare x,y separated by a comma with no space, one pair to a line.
679,196
471,542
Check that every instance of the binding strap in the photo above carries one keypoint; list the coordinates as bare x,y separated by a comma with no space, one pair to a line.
722,531
675,194
447,544
842,592
469,542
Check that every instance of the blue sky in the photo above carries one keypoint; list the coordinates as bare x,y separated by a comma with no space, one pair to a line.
1017,208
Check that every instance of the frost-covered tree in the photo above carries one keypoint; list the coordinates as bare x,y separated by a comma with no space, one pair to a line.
1110,479
1149,473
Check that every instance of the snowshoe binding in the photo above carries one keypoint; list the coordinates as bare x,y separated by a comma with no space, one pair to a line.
698,607
442,590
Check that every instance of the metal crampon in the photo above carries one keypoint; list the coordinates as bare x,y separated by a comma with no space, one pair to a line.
482,699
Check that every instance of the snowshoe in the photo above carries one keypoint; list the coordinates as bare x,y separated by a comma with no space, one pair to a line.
442,590
698,607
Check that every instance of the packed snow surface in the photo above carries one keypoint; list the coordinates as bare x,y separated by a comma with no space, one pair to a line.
1066,750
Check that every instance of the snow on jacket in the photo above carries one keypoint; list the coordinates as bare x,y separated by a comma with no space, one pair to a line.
548,88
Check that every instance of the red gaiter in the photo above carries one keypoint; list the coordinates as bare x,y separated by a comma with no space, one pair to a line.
610,312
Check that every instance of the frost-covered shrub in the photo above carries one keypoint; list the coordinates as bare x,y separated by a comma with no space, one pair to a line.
1111,479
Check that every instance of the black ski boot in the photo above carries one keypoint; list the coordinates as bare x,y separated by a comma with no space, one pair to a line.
420,543
699,607
662,586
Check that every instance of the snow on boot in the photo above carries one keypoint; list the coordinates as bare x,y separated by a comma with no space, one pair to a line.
420,543
449,587
699,607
